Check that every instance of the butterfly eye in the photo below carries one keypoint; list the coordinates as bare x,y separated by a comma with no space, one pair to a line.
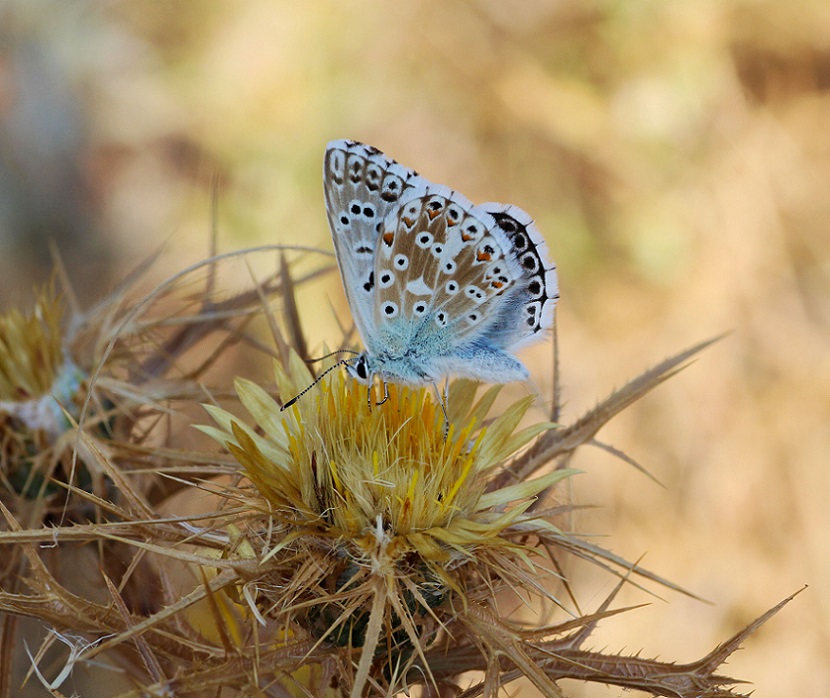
386,279
361,368
420,308
441,319
368,211
449,267
389,309
344,219
451,288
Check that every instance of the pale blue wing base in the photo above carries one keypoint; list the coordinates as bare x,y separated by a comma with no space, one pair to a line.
479,363
482,363
423,354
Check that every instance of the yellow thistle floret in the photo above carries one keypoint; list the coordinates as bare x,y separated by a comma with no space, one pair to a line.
389,501
392,478
38,379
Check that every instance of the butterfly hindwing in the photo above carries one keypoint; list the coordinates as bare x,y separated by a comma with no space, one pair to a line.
408,261
480,273
527,313
444,269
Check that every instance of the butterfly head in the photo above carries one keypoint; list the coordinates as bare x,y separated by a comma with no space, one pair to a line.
358,367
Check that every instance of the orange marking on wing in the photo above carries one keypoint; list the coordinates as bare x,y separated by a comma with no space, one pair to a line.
483,256
388,238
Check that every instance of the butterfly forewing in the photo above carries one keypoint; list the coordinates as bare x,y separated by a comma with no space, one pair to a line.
361,186
408,261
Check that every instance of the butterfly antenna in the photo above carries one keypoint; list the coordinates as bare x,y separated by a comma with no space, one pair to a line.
342,362
334,353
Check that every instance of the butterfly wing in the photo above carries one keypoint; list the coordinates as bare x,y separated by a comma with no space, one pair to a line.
436,285
525,313
462,285
361,187
414,242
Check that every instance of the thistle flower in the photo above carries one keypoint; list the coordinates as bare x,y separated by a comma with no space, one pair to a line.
42,393
366,549
393,509
75,384
389,541
38,377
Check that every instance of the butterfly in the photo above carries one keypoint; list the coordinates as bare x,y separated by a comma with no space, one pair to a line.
437,287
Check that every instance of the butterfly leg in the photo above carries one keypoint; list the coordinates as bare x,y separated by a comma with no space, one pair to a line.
385,391
371,386
443,400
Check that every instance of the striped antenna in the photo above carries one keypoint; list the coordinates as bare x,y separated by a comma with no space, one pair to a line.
342,362
330,354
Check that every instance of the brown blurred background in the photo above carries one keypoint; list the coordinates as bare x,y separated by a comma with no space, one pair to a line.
675,155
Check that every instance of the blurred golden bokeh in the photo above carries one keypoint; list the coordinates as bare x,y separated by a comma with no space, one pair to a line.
676,156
